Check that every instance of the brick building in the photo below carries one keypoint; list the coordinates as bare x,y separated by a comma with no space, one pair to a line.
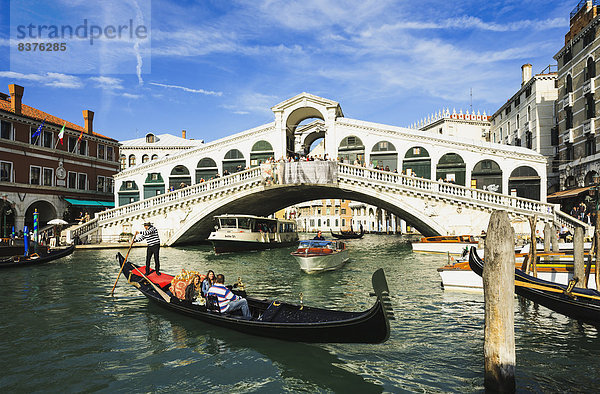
58,180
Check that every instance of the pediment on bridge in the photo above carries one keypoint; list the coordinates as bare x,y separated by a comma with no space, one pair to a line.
308,100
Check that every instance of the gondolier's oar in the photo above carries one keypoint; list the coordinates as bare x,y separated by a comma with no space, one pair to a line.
121,270
164,295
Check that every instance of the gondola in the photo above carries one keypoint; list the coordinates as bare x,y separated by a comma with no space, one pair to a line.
274,319
580,304
36,258
348,235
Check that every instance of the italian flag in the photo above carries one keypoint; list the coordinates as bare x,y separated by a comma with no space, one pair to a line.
61,134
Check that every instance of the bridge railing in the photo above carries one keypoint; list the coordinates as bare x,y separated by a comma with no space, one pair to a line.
181,195
447,189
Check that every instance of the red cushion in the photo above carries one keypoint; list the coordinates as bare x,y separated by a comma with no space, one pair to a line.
161,281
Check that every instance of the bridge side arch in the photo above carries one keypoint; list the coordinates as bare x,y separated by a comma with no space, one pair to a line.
451,168
524,181
487,175
418,162
384,154
233,161
206,169
179,177
261,151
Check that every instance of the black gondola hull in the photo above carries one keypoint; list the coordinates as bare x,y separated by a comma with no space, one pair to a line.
50,256
230,246
580,304
349,235
371,326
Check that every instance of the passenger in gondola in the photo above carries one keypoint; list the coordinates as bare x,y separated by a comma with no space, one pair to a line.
192,291
228,302
319,236
208,282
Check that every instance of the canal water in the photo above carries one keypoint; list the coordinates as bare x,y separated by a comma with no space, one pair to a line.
62,332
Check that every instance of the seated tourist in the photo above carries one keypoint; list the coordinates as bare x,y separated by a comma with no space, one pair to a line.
208,282
192,291
228,302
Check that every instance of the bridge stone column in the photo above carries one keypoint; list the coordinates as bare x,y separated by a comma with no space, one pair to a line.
331,144
280,143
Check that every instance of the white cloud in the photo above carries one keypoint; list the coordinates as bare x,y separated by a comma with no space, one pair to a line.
132,96
253,102
57,80
198,91
109,83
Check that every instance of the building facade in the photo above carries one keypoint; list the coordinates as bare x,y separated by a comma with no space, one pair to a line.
475,126
322,215
38,173
153,147
528,119
577,128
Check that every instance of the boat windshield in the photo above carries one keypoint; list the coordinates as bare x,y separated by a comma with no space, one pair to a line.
245,223
228,222
313,243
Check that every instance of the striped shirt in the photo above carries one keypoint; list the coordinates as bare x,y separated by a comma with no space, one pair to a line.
150,235
224,296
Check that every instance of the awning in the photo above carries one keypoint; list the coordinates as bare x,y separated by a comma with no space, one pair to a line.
90,203
568,193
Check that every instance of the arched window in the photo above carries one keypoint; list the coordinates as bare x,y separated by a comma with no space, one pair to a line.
128,193
417,162
451,168
569,84
351,149
145,158
180,177
589,178
150,139
233,162
123,162
590,68
154,156
524,181
384,156
487,175
206,169
261,151
131,160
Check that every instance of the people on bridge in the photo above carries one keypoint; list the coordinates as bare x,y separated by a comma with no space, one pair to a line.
228,302
150,234
319,236
192,291
208,282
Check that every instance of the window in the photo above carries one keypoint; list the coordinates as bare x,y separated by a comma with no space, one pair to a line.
48,139
343,222
590,146
569,154
569,84
150,138
83,147
154,157
569,118
72,180
588,38
154,176
145,158
82,181
518,122
48,176
568,56
518,101
100,151
343,211
35,174
318,211
328,211
110,185
100,184
590,106
6,130
337,223
109,153
123,162
528,91
590,69
131,160
72,143
5,171
554,136
34,140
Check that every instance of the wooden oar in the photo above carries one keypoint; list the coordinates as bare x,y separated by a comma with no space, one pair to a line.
164,295
121,270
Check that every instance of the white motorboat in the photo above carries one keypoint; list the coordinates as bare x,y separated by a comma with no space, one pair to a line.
455,245
320,255
236,233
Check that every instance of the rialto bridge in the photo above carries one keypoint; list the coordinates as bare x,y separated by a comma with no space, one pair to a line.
443,185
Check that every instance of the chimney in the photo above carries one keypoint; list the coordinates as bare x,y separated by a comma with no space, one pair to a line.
88,120
16,95
526,73
183,134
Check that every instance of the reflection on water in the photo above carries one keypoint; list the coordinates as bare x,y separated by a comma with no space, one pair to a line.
63,332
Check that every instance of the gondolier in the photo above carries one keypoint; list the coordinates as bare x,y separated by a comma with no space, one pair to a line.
151,237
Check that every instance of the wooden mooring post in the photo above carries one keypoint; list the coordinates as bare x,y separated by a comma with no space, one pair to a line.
555,231
578,263
547,237
499,293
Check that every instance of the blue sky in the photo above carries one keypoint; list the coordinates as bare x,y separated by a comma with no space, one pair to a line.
218,66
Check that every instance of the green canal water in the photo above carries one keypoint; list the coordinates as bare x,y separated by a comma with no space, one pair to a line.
62,332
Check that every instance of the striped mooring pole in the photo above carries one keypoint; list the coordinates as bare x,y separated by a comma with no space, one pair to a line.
35,225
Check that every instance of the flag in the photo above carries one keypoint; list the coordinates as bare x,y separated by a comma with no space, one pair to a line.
80,137
61,134
39,129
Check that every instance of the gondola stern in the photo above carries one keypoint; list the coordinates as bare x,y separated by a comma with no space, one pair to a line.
382,292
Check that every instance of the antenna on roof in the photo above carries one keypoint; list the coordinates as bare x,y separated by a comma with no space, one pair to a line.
471,94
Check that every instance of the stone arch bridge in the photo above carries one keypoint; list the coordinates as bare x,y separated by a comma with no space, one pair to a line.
186,215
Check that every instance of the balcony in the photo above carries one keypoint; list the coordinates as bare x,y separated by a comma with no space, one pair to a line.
568,136
527,127
589,126
589,86
568,100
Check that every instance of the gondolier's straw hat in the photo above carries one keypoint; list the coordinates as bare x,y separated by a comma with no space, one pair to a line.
148,224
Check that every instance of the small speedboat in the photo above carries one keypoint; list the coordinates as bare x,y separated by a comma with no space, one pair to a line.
320,255
456,245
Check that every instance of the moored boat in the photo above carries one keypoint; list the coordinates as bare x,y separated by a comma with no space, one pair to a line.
348,234
320,255
580,304
455,245
274,319
554,267
237,233
43,256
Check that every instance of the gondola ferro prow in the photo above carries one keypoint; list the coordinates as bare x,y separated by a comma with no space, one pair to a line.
568,291
301,301
382,292
134,284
